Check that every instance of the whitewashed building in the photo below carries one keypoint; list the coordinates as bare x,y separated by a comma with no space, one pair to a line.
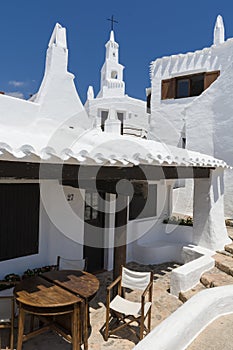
60,174
131,112
191,107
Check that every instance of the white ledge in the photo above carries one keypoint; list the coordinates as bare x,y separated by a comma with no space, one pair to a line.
187,322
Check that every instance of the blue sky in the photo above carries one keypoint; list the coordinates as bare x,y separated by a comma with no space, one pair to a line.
146,30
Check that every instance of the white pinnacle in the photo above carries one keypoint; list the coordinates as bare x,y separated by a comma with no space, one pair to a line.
112,115
219,31
90,93
112,36
58,37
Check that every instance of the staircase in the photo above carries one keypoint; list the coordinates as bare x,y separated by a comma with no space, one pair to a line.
220,275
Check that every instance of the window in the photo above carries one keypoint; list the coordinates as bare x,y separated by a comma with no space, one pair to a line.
182,88
104,117
144,202
183,142
187,86
94,208
114,75
148,103
91,206
19,214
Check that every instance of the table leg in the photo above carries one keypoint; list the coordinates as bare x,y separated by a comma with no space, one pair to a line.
21,327
76,334
12,324
86,324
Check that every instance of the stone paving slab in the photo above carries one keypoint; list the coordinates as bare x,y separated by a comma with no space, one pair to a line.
224,263
216,278
229,248
184,296
230,232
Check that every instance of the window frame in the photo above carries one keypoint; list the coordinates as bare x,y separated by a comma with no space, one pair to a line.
169,86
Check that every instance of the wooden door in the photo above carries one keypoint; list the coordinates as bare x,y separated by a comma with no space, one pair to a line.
94,231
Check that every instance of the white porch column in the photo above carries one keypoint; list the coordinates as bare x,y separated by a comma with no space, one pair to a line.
209,228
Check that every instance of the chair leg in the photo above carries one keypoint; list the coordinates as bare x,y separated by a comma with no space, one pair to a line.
107,325
149,322
11,336
141,327
21,327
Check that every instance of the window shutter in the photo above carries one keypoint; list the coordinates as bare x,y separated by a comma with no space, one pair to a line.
168,89
19,214
210,77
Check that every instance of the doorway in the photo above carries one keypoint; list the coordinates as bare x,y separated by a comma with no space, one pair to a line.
94,217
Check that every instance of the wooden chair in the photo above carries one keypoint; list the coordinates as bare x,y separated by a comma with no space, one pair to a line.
125,311
7,313
68,264
80,264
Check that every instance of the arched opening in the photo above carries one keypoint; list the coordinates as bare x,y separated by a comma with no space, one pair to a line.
114,74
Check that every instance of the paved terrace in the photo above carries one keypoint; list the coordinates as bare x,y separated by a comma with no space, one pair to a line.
216,336
163,305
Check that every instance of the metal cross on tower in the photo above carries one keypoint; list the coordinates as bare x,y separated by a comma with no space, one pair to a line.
112,20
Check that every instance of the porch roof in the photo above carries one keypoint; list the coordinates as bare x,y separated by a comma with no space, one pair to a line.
94,147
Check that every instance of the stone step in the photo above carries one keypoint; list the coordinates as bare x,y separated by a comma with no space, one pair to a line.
224,263
224,252
184,296
229,248
216,278
230,232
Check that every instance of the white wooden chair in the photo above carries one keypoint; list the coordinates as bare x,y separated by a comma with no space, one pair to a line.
125,311
68,264
7,313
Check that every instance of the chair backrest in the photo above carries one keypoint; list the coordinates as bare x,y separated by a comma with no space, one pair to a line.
6,304
68,264
134,279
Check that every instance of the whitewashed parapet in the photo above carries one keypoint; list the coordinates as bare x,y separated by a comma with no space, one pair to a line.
197,260
187,276
183,326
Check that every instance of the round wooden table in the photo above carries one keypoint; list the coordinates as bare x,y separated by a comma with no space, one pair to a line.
79,283
38,296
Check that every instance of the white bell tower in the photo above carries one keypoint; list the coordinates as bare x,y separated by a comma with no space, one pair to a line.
112,84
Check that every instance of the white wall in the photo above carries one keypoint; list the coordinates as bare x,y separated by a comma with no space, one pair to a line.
168,114
60,232
205,120
66,231
134,111
151,240
210,117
